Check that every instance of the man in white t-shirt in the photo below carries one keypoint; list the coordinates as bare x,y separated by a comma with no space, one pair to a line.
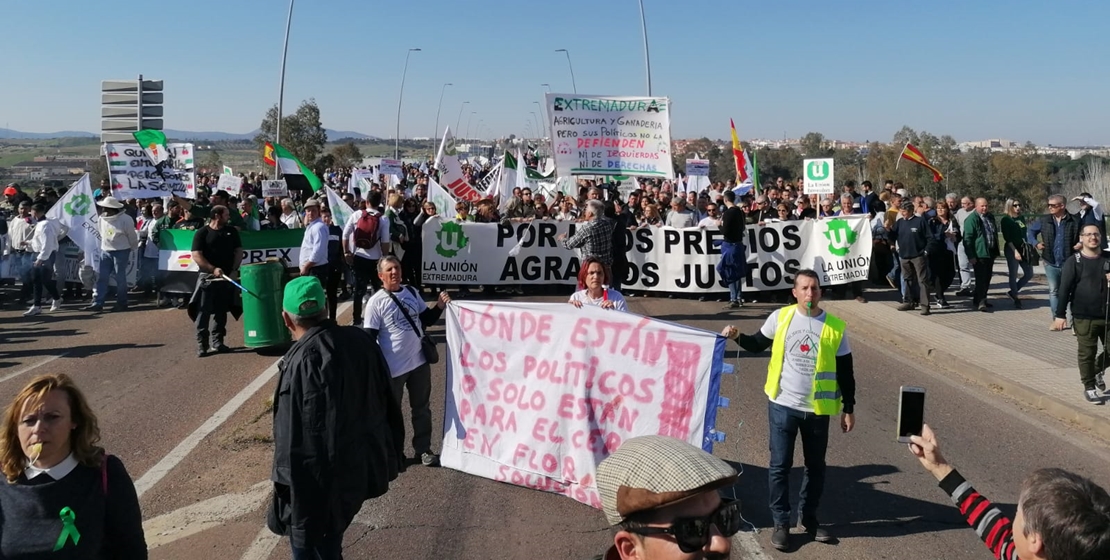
810,378
361,253
712,218
397,317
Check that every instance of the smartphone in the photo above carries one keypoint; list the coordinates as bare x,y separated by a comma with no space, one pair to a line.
911,412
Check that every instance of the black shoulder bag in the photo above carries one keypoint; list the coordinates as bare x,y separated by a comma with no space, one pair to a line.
427,345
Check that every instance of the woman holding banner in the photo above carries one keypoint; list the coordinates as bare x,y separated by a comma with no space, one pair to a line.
594,275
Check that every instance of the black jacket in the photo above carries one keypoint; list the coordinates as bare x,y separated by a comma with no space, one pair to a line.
1083,285
338,433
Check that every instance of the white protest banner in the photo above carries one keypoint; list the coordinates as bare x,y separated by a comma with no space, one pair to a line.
231,184
697,168
276,189
611,135
819,176
539,393
390,167
450,171
361,179
660,259
134,175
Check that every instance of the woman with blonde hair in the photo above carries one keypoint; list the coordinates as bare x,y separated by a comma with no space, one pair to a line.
64,497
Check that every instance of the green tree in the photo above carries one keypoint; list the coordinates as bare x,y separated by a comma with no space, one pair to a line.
301,133
1021,175
325,162
346,155
814,145
211,161
775,163
98,171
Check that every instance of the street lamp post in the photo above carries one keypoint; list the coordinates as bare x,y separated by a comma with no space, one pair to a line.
468,121
647,57
543,118
400,96
458,121
438,109
539,128
571,66
281,85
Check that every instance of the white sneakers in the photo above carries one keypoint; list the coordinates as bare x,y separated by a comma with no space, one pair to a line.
34,310
55,305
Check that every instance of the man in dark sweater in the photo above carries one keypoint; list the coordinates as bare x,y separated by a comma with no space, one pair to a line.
911,233
732,230
1084,284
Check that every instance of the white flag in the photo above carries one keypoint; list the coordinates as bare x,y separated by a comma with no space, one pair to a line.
340,211
445,203
450,170
75,212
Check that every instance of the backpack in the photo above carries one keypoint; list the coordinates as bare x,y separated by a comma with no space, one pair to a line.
366,230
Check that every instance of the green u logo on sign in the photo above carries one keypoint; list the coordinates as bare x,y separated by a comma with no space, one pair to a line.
817,171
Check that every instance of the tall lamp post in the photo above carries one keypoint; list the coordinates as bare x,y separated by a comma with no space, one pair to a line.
281,86
468,121
571,66
458,121
400,96
647,57
438,109
539,128
543,117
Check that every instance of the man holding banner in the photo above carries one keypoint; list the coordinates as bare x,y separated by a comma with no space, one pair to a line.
809,379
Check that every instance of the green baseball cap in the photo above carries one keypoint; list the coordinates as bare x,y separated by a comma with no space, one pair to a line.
304,296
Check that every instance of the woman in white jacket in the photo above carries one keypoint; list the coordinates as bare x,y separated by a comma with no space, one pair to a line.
118,239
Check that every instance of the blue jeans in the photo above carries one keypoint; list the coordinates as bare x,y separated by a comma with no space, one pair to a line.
329,548
734,291
785,424
113,262
1052,274
1013,265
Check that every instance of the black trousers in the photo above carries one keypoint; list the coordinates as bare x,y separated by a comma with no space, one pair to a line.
331,289
366,273
43,279
419,382
942,266
983,269
410,265
916,273
215,302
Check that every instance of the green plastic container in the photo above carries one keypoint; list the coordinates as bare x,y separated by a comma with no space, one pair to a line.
262,322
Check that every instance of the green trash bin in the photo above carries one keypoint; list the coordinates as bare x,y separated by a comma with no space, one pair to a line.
262,322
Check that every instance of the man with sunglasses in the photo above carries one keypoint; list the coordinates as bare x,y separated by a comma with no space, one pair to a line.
661,496
1059,233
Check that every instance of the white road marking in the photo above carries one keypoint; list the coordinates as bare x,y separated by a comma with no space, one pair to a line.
264,544
19,372
749,547
213,512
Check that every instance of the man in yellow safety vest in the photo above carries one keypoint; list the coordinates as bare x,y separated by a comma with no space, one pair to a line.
809,379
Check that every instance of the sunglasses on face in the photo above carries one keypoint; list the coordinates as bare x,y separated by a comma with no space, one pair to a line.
692,533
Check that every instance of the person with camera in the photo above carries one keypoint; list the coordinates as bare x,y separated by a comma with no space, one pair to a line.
1060,515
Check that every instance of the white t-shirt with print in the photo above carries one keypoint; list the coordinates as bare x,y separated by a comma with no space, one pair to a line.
612,295
799,357
399,344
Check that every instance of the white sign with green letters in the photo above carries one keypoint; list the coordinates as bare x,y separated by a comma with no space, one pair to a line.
819,176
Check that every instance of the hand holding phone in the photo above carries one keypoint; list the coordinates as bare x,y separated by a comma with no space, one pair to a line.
911,412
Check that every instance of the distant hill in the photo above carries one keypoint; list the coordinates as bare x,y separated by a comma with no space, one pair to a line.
6,133
175,135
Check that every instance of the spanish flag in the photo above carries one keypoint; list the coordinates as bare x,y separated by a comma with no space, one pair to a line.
743,168
913,154
268,154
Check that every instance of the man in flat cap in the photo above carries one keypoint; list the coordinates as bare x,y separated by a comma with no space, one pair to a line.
660,494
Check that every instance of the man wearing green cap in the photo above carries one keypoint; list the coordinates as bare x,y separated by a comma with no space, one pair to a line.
338,432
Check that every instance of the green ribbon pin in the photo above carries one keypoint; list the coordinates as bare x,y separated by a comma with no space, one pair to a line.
69,530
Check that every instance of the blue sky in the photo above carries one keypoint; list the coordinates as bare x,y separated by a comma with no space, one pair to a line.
853,70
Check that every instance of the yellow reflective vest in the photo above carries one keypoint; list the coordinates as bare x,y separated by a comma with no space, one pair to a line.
826,392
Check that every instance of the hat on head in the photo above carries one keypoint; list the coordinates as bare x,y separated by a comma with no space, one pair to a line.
650,472
304,295
10,190
110,202
312,202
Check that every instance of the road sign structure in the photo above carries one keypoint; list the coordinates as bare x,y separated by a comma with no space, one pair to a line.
128,106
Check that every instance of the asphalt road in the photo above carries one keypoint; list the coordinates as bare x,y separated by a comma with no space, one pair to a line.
195,435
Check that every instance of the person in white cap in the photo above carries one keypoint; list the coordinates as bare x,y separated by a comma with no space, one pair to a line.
118,239
661,496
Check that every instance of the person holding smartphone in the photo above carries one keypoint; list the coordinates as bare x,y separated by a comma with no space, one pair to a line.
810,379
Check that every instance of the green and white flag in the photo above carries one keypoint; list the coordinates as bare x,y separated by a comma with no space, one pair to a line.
227,171
340,211
297,174
153,142
175,256
445,203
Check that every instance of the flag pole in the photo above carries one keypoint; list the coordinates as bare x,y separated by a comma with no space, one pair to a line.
898,161
281,87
